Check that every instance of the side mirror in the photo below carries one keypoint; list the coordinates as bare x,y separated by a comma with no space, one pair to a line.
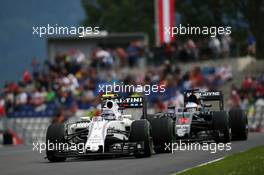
207,105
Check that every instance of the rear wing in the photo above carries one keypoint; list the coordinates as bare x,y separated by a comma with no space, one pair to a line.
207,96
129,105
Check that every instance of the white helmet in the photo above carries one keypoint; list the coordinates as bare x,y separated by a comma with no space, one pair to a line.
191,107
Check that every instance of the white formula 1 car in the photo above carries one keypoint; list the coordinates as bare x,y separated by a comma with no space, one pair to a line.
112,133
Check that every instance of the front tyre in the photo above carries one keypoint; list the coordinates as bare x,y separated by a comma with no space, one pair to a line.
162,133
238,124
140,132
55,135
221,125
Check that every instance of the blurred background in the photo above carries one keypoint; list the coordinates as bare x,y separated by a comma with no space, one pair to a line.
56,78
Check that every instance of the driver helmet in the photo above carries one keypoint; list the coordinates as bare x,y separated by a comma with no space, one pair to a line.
191,107
193,98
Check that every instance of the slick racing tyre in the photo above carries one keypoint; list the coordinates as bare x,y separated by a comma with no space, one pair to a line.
162,133
238,124
141,132
221,125
55,135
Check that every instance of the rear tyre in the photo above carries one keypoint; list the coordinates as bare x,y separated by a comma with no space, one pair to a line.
162,133
221,125
140,132
238,124
55,135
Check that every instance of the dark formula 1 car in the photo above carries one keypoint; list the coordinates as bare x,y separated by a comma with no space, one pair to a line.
121,129
198,121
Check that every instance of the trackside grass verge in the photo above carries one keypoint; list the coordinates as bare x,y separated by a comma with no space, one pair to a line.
250,162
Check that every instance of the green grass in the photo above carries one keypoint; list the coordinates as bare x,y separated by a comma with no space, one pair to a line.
250,162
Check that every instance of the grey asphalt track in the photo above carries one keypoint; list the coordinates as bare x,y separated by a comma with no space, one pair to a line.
21,160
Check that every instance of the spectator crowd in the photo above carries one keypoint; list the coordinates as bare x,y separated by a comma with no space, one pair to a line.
68,83
251,89
194,50
250,97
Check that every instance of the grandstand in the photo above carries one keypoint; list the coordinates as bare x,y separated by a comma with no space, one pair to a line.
66,85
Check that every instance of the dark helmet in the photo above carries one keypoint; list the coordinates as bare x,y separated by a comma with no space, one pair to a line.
193,98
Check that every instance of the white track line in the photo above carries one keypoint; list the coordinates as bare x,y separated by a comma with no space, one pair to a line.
202,164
